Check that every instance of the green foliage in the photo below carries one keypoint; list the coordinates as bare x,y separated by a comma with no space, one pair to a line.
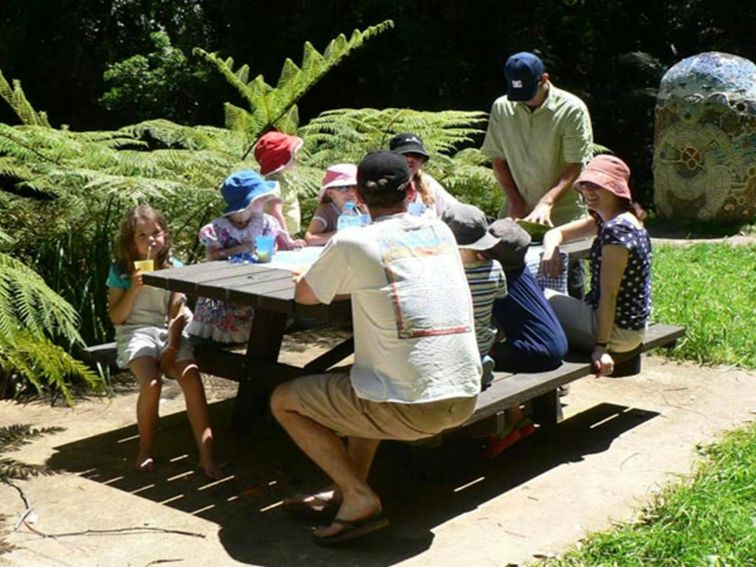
708,288
158,84
276,106
705,521
31,316
18,102
345,135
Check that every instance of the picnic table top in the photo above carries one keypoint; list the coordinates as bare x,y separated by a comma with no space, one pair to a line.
264,286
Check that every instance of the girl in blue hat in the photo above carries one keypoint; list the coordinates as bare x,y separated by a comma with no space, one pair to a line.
235,232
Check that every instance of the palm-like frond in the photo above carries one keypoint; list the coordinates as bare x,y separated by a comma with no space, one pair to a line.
42,363
17,100
26,302
346,134
269,106
30,314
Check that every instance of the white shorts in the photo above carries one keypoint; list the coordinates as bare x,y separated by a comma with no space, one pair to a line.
137,341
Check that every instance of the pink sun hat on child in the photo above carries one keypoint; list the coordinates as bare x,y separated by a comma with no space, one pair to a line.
276,150
339,175
608,172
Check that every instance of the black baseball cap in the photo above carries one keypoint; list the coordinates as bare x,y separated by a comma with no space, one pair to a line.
408,143
383,170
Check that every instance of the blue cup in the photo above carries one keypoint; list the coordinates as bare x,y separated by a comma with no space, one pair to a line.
264,248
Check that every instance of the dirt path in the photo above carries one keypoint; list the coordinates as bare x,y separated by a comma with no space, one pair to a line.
620,441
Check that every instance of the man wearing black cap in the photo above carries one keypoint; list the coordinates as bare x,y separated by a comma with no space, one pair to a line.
538,138
416,367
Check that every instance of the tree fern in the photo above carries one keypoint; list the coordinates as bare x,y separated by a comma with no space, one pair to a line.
30,315
271,106
18,102
346,134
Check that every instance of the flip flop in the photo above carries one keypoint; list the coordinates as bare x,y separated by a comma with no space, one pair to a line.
352,529
315,508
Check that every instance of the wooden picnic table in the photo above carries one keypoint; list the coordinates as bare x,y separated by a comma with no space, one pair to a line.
270,290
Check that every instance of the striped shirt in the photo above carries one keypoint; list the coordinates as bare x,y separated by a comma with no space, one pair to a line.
487,282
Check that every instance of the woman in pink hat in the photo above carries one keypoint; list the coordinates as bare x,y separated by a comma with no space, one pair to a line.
338,188
613,316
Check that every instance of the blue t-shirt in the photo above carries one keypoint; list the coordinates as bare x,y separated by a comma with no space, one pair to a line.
117,277
634,297
527,319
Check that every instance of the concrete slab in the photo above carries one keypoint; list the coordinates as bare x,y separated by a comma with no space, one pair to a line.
621,440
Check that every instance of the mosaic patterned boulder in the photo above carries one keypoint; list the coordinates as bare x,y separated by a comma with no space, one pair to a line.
705,139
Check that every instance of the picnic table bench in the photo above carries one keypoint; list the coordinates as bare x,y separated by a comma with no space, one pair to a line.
269,288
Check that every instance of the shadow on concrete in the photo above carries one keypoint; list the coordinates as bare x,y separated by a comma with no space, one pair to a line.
421,487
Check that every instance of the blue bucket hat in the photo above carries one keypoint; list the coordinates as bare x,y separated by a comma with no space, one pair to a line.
242,188
523,72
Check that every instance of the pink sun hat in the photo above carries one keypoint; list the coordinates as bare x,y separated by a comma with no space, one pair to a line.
608,172
339,175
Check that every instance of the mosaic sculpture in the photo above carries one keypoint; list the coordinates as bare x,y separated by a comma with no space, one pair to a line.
705,139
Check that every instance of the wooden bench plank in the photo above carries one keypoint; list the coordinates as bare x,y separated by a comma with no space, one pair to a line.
508,389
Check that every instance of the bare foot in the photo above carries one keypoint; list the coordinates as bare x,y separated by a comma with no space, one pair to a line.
212,470
354,508
145,463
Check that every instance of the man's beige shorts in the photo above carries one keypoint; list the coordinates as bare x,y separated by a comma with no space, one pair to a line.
330,400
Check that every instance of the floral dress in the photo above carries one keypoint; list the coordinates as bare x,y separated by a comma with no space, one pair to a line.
218,320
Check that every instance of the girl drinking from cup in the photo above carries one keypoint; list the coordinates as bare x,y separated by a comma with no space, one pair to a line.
149,324
338,188
242,229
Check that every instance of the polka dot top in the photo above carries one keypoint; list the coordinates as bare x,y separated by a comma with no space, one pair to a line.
634,297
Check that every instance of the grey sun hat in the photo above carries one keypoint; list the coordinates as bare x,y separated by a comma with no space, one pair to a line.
469,226
512,246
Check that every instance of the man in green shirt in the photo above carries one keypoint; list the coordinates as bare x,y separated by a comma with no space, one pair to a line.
538,138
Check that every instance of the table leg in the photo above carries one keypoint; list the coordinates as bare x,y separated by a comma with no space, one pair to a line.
547,409
264,344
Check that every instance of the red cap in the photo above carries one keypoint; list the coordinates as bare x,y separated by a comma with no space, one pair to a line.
608,172
275,150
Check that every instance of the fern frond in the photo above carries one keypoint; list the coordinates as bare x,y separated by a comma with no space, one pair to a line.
26,302
270,106
43,363
18,102
346,134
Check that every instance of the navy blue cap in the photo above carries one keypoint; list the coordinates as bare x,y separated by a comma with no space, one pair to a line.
523,72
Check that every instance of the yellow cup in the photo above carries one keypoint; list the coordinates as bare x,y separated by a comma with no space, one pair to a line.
144,265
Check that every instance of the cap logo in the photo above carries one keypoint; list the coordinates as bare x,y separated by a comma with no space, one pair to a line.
413,139
516,84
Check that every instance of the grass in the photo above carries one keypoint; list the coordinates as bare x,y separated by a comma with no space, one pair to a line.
710,520
711,290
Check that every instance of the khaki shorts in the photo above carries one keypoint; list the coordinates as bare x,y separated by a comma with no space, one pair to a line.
330,400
